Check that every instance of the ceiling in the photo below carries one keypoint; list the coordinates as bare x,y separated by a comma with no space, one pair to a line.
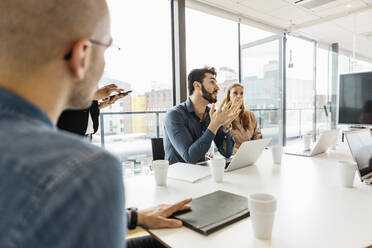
327,21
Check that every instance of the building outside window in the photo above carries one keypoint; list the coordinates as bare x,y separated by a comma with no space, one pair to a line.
143,65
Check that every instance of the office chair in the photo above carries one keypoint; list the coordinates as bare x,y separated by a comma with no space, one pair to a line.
157,149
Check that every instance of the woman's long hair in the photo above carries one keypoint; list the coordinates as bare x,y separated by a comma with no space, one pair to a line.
244,115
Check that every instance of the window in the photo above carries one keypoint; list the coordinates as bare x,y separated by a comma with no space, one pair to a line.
300,87
343,64
261,59
348,64
143,65
323,89
213,41
360,65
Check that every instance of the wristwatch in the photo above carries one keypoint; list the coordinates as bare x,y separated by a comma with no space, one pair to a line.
132,223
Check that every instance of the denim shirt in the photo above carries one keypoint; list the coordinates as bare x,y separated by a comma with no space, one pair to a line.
188,139
55,189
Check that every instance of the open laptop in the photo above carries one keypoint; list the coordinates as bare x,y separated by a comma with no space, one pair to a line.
247,154
360,144
326,140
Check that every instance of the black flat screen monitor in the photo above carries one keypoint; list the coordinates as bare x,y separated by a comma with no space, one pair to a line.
355,104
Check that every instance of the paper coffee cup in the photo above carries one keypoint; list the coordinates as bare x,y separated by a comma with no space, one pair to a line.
217,166
347,173
307,141
160,168
262,209
277,152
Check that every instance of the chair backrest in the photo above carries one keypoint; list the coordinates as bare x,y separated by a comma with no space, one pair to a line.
157,149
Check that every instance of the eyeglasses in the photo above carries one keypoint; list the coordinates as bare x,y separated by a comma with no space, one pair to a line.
95,42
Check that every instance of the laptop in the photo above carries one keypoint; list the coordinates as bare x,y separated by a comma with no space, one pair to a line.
247,154
360,144
326,140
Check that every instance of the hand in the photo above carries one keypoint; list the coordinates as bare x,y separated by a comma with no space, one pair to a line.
106,91
237,103
209,155
157,217
225,115
108,101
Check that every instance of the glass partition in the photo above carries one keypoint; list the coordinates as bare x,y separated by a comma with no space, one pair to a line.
262,79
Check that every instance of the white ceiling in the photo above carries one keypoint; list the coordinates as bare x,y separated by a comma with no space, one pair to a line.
334,21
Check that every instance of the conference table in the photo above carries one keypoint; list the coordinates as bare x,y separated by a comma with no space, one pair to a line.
313,209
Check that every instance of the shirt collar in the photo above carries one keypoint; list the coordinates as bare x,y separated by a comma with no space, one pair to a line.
11,102
191,109
189,106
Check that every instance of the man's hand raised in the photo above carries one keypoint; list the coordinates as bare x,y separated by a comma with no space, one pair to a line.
224,116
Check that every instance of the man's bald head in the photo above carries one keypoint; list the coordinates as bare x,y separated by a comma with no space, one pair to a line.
35,32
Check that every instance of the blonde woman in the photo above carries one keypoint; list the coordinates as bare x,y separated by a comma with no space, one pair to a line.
244,127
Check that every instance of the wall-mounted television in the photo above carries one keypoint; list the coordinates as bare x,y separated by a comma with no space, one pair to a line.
355,99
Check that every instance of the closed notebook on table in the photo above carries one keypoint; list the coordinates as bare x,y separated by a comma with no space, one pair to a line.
214,211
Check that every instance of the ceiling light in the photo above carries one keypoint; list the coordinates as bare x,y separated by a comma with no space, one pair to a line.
312,4
348,5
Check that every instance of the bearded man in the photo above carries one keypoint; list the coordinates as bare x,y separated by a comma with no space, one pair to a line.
191,127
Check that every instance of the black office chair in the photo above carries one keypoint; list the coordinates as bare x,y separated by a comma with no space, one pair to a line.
157,149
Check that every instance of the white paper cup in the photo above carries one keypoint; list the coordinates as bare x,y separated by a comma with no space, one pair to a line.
217,166
307,141
347,173
128,168
262,209
160,168
277,152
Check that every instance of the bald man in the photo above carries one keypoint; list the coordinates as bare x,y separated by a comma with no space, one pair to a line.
55,190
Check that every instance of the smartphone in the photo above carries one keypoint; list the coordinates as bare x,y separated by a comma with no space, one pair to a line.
121,94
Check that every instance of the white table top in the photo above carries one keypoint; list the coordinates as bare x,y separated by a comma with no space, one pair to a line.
313,209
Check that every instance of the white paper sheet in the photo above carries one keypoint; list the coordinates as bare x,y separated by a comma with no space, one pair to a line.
188,172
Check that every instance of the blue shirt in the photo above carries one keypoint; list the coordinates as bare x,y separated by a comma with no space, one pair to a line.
55,189
188,139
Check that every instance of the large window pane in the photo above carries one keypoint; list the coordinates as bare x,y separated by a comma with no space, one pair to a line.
213,41
300,87
323,86
262,81
144,65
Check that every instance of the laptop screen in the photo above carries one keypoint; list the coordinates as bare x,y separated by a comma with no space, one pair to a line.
360,144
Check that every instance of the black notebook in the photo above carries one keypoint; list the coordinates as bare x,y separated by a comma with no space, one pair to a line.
214,211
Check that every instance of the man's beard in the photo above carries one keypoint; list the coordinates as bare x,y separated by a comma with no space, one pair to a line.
209,96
